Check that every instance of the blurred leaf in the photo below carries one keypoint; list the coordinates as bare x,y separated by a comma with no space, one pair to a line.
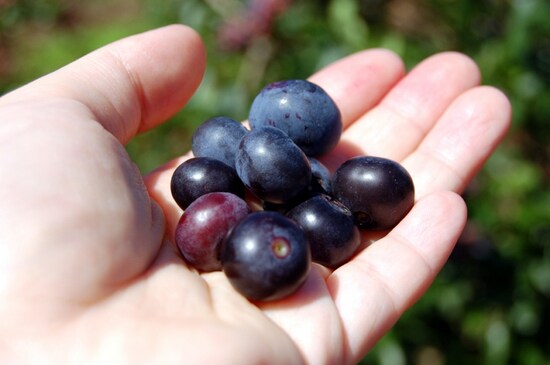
497,340
388,352
539,272
525,317
345,21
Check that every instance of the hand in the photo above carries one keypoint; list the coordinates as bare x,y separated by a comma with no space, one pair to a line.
88,270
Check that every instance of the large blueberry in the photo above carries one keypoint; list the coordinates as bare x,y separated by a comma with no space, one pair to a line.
272,166
329,228
218,138
303,110
378,191
266,256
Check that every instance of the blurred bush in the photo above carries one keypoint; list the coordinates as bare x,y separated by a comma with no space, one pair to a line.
490,303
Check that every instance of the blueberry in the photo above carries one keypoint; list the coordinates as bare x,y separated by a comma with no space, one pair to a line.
320,184
320,177
378,191
301,109
266,256
272,166
330,229
201,175
218,138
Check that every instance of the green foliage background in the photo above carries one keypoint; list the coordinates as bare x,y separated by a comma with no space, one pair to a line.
490,305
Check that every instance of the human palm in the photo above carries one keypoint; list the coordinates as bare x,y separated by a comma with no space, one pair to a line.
88,270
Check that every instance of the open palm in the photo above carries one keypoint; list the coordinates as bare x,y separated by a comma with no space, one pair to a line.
88,271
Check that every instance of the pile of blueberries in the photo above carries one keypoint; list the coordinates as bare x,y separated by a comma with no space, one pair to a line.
260,206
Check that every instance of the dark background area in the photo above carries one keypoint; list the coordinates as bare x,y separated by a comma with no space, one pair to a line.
490,305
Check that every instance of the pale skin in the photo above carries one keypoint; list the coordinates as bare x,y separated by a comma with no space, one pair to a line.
88,270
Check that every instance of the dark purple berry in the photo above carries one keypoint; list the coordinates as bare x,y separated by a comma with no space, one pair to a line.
272,166
201,175
301,109
330,229
378,191
204,225
266,256
320,184
320,178
218,138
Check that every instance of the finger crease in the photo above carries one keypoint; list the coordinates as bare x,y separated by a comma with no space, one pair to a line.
438,159
134,82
